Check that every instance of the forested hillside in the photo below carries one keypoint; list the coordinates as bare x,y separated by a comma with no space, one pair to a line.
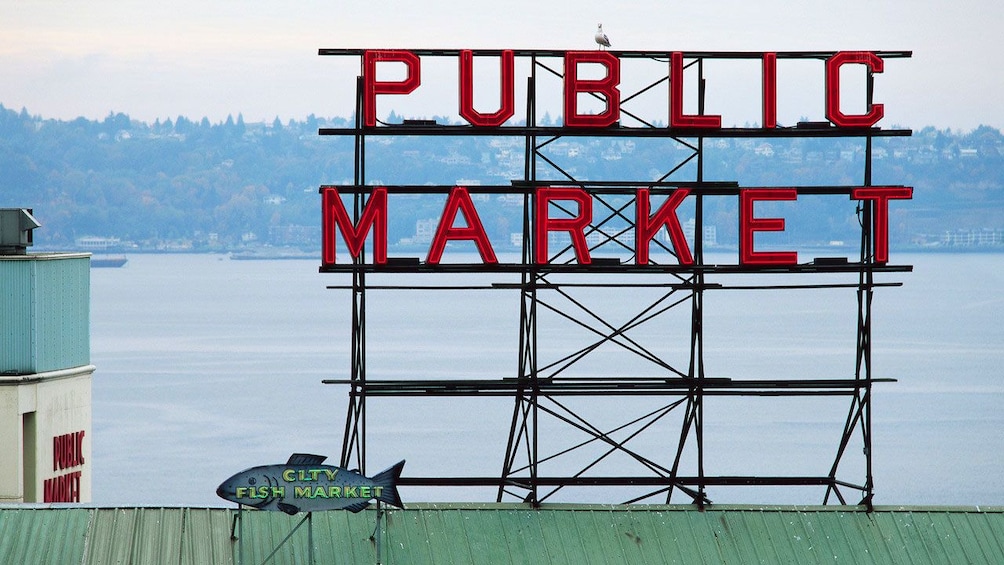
194,185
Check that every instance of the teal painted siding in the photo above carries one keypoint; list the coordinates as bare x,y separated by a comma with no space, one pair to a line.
16,317
44,312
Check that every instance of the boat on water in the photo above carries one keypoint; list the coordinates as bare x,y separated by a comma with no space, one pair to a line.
108,261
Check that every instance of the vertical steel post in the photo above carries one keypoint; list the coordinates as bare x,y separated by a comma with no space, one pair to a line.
698,305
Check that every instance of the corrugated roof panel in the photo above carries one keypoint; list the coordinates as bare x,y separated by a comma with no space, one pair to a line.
521,534
420,535
469,527
111,536
647,540
944,536
499,534
206,537
159,535
29,536
990,539
874,550
922,544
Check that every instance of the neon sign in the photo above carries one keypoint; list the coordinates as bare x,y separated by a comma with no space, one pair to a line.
303,484
460,220
336,223
606,87
572,223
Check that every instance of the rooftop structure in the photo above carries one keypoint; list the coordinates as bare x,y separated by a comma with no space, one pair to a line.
45,368
508,533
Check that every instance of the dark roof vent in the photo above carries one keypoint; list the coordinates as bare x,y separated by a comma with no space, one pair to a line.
15,230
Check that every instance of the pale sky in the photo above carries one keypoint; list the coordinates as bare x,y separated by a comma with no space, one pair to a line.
65,58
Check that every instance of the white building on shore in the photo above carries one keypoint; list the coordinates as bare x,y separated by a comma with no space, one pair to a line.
45,369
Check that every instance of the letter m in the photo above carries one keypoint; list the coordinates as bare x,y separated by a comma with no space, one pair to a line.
334,218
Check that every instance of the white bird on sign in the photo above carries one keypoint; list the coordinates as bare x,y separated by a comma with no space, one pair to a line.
601,38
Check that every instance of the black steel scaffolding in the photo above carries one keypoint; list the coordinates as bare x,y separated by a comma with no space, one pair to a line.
542,389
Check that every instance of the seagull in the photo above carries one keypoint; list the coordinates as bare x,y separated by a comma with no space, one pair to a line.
601,38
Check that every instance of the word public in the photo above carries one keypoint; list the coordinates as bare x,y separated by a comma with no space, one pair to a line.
335,220
606,88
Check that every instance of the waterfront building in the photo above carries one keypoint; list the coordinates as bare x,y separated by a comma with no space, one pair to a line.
45,369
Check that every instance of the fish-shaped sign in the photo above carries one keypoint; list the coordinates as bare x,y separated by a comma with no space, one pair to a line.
304,485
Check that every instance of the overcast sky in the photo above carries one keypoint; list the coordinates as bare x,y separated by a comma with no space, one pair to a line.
67,58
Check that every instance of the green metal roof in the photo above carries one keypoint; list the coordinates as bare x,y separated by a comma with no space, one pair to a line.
508,533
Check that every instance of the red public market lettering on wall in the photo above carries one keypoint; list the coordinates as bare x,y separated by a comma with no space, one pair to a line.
64,488
606,88
68,451
373,220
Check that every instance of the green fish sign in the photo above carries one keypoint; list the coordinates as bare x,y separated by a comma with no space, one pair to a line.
304,485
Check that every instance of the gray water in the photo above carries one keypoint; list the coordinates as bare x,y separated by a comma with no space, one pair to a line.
207,366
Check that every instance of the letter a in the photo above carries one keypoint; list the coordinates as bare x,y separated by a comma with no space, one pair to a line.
460,200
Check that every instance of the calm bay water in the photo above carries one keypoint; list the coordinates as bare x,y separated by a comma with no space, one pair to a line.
207,366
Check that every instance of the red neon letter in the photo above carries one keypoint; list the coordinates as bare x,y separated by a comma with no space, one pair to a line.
506,91
880,217
460,200
606,86
748,224
769,90
647,227
575,226
676,117
374,216
833,113
372,86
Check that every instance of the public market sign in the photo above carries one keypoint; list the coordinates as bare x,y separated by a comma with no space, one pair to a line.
67,453
460,220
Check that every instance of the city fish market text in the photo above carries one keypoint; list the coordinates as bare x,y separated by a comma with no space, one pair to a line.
304,485
307,491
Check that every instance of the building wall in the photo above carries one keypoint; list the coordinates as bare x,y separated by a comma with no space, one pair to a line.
45,378
45,420
44,312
